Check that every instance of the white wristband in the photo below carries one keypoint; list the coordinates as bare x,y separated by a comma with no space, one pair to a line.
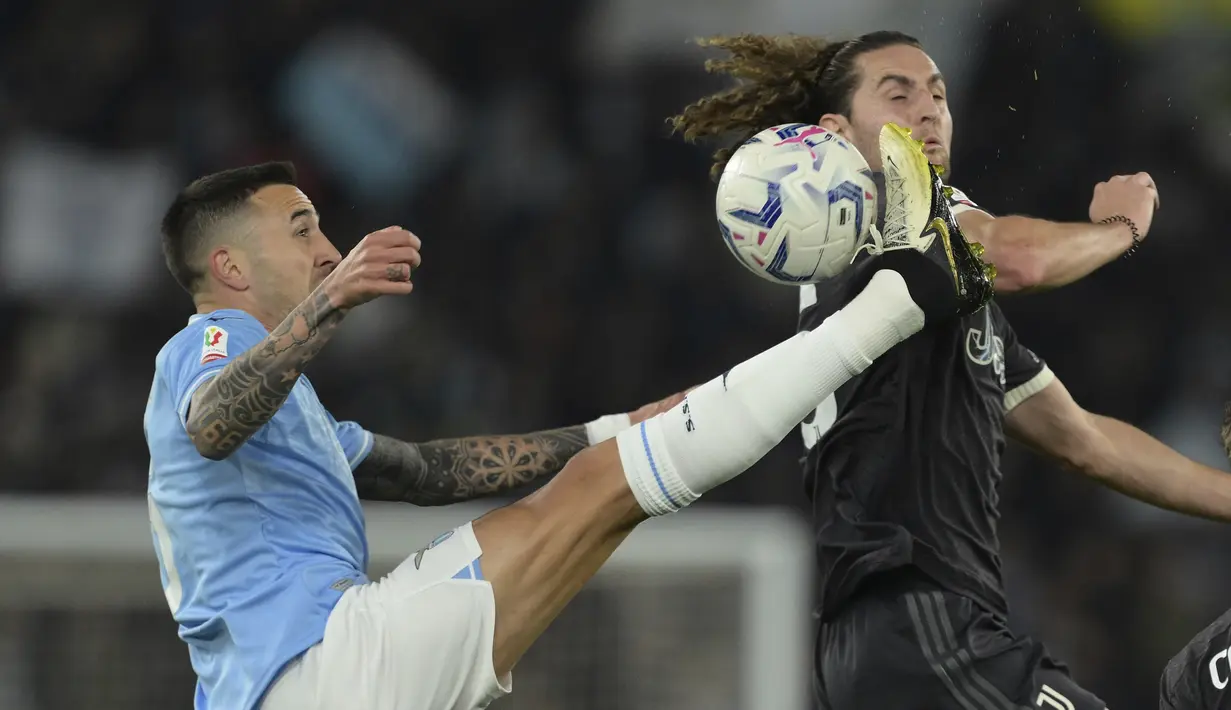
607,427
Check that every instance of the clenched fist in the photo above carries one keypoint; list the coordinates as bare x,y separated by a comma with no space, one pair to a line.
1132,196
380,264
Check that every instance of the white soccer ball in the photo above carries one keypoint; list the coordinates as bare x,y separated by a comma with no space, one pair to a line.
795,202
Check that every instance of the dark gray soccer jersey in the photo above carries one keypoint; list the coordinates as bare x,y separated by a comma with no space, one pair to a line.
903,464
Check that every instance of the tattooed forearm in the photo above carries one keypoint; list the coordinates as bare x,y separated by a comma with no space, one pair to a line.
247,392
453,470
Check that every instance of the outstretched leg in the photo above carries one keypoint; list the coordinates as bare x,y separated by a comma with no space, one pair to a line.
540,551
450,623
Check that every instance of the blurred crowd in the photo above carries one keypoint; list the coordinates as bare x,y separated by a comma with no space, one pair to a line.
572,267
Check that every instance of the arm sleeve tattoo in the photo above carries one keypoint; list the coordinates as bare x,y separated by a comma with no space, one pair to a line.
248,392
455,470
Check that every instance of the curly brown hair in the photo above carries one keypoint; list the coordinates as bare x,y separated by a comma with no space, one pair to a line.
780,79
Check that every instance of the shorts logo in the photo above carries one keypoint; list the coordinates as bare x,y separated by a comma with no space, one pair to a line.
215,345
439,539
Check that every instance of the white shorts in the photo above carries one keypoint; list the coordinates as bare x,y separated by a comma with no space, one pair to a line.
419,639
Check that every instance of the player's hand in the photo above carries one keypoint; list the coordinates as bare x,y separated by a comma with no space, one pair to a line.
379,265
1133,196
654,408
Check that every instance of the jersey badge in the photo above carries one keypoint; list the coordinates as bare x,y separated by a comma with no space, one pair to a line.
215,345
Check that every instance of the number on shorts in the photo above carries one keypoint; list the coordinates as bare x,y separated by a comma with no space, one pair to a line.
1051,698
162,538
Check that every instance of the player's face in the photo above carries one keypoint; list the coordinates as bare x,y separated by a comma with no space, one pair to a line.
901,84
290,254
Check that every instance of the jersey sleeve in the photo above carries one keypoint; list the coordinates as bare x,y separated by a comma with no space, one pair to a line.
1176,688
1199,676
203,350
1025,374
960,202
355,440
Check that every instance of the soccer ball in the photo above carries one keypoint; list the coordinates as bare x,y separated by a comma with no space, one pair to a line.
795,202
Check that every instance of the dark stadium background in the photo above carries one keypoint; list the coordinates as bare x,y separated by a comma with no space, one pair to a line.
572,263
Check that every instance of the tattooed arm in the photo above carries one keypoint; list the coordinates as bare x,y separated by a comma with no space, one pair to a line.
454,470
247,392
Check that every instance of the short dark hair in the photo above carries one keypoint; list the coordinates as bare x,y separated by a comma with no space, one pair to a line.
202,205
783,79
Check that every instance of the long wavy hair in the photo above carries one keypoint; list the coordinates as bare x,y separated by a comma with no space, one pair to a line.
779,79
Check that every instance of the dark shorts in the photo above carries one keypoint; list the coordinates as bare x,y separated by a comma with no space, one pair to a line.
907,645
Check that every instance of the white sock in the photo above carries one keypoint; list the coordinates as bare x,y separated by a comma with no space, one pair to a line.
727,424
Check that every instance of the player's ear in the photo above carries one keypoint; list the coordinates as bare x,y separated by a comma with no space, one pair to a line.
229,267
836,123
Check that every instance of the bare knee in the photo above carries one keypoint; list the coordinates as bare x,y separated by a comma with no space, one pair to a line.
562,531
540,551
587,501
591,491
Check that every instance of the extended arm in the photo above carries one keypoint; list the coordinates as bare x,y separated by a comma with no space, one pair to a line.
1032,254
248,391
1119,455
1035,254
453,470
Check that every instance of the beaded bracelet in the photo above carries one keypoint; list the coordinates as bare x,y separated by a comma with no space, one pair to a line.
1132,226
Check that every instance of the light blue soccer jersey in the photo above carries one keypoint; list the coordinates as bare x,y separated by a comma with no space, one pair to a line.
257,548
